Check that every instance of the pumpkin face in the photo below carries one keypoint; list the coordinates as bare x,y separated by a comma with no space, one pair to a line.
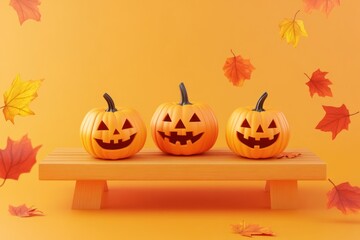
112,133
256,133
184,128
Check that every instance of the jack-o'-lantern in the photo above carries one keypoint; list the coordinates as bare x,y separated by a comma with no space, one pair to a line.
184,128
112,133
257,133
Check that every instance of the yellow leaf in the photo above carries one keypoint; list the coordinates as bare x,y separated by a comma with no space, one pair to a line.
291,30
18,97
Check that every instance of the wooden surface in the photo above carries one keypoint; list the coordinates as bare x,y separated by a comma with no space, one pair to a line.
217,164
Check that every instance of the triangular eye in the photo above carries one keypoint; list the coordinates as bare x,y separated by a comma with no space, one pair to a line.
195,118
167,118
127,124
245,124
272,124
102,126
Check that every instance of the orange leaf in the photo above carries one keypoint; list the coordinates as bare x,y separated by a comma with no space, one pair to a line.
26,9
252,230
344,197
24,211
335,120
289,155
237,69
18,157
319,84
325,6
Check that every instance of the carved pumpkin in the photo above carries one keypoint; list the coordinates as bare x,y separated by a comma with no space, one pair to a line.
112,133
257,133
184,128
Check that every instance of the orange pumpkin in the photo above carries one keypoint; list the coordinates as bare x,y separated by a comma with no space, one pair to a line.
257,133
112,133
184,128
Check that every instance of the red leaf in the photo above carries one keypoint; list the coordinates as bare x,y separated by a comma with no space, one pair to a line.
24,211
18,157
26,9
237,69
252,230
319,84
324,5
344,197
335,120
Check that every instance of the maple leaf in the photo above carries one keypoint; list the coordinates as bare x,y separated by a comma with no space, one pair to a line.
237,69
24,211
344,197
288,155
324,5
291,30
319,84
18,97
26,9
335,120
18,157
252,230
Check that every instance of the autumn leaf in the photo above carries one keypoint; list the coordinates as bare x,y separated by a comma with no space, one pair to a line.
237,69
319,84
252,230
288,155
335,120
24,211
18,98
325,6
18,157
26,9
344,197
291,30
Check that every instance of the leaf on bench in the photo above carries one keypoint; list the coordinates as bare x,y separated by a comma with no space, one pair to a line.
288,155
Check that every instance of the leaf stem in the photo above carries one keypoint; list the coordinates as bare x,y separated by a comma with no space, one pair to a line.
307,76
332,183
354,113
295,15
2,107
233,53
2,184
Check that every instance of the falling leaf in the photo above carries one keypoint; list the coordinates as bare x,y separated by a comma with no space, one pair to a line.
18,157
325,6
237,69
26,9
335,120
344,197
24,211
289,155
291,30
18,97
319,84
252,230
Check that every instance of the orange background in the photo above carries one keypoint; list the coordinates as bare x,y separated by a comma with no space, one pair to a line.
138,52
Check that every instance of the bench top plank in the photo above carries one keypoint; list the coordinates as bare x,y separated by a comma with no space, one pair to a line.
151,164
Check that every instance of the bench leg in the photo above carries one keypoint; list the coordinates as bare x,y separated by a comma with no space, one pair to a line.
88,194
283,194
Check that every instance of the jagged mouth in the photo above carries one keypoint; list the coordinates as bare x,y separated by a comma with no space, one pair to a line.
252,142
183,139
113,146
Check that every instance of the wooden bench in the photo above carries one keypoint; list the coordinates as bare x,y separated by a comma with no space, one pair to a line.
91,175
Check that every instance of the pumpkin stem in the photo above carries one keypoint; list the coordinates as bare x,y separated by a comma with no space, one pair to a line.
110,102
260,103
184,96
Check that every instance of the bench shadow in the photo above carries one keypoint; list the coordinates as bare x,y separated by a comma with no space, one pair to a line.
184,197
